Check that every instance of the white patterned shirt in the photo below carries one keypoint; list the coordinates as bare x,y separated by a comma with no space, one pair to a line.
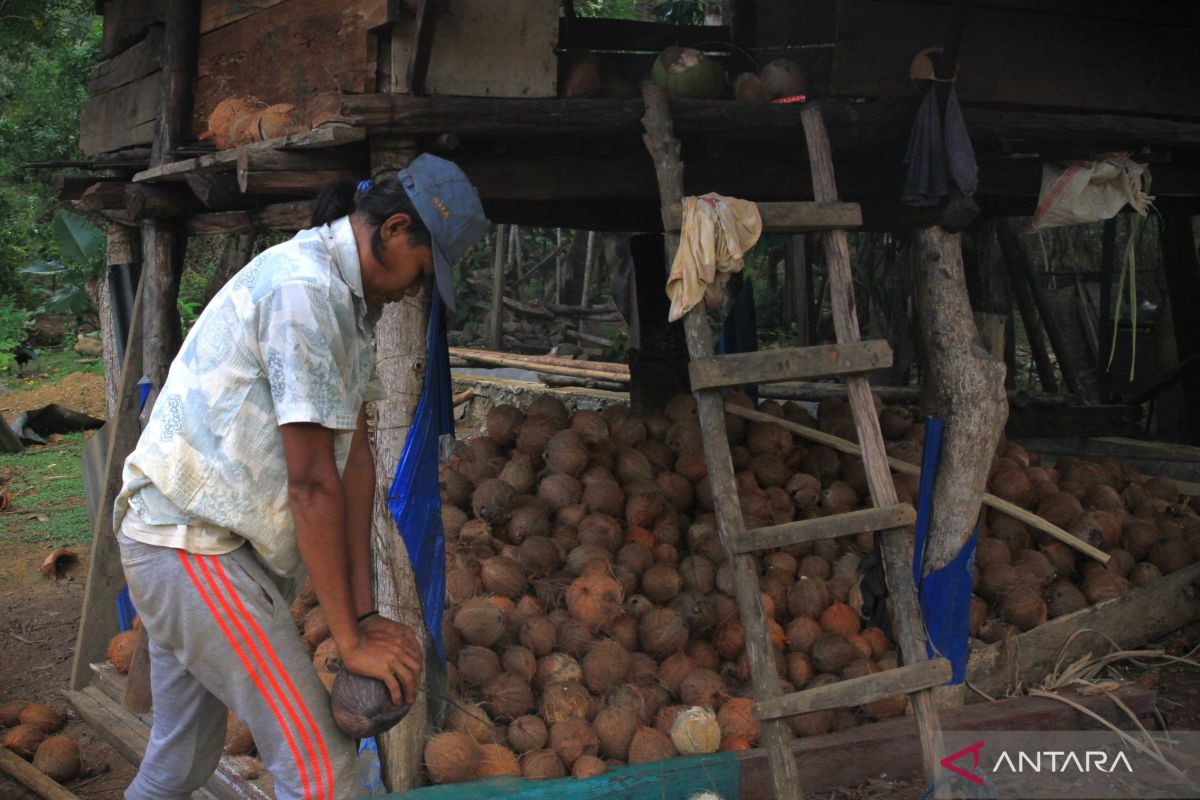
288,339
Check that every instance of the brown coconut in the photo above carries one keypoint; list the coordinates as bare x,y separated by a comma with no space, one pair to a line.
650,745
477,665
1064,598
493,501
662,632
802,632
702,687
542,765
564,700
550,407
1100,585
567,453
588,767
831,653
572,738
560,491
502,422
1170,555
809,597
58,757
24,740
1060,509
661,583
1143,573
1013,485
452,757
1022,605
120,650
10,712
503,576
507,696
594,599
519,661
527,733
538,634
43,716
495,760
841,619
479,622
470,719
604,496
605,666
238,739
735,719
614,729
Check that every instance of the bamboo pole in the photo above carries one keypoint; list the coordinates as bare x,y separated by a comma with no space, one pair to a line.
505,360
990,500
480,355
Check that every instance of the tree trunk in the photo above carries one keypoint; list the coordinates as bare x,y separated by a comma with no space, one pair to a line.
238,250
967,392
400,361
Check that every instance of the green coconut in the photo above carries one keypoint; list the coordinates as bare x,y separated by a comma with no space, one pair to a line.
687,73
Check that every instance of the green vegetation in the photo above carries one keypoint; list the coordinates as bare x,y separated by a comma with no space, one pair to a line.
47,500
47,49
50,367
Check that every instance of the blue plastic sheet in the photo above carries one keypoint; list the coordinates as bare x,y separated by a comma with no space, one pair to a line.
944,595
414,498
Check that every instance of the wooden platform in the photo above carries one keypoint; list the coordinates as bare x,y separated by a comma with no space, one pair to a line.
99,705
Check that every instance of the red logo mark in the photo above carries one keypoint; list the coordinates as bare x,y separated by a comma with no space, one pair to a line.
948,762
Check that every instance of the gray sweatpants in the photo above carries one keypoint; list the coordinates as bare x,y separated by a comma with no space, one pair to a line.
221,635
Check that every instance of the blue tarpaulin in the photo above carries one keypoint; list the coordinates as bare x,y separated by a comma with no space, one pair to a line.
945,595
414,499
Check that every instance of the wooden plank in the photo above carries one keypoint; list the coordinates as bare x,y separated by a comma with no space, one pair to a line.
120,118
813,530
776,734
471,55
1141,615
1021,57
219,13
226,160
897,552
288,52
797,217
127,21
890,751
858,691
143,59
424,26
106,678
129,736
105,578
789,364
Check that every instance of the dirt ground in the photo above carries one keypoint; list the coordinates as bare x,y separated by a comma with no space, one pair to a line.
80,391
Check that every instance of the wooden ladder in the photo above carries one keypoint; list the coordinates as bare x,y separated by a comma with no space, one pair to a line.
851,359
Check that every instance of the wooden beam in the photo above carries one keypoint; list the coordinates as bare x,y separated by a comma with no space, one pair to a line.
98,620
858,691
808,531
789,364
275,217
71,187
145,201
792,217
138,61
422,47
102,196
32,777
1141,615
307,183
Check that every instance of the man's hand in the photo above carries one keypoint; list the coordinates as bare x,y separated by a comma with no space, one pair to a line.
389,651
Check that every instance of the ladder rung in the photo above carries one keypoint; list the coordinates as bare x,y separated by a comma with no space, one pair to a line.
813,530
789,364
857,691
805,217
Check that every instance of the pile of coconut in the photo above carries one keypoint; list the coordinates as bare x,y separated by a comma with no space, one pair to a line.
31,730
590,618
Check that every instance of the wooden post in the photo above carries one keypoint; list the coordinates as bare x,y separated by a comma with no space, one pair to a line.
497,320
98,621
122,245
967,385
559,258
588,258
400,361
776,733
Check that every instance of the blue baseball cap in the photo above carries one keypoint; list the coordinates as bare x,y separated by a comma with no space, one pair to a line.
450,208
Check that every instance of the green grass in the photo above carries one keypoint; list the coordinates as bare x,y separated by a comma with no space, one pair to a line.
48,503
50,366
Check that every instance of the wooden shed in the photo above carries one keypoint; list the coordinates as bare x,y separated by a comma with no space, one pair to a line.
360,87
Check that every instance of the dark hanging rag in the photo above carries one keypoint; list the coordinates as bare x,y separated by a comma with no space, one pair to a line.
939,152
